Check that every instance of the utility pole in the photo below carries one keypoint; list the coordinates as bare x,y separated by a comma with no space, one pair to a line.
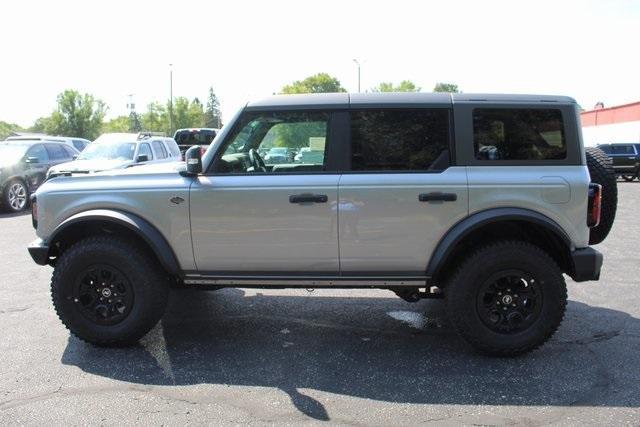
358,64
131,106
170,99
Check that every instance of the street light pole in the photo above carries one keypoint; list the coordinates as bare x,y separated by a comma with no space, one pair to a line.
358,64
170,99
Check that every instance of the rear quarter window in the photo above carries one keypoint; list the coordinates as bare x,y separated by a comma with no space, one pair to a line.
518,134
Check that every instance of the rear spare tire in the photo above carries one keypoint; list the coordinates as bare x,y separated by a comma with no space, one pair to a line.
601,171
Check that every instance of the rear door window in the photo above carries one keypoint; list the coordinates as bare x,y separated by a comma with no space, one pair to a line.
518,134
158,147
57,152
400,140
69,150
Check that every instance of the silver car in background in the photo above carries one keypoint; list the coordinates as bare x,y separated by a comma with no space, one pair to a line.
119,151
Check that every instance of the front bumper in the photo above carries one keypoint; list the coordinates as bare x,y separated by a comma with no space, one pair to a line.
39,251
587,263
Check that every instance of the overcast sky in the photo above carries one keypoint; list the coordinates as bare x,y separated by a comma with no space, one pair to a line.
247,50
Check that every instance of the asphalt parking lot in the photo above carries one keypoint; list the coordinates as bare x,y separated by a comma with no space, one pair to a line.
294,357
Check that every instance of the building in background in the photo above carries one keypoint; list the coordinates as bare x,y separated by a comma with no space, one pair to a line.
612,124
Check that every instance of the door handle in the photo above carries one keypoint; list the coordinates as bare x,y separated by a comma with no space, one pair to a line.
438,197
308,198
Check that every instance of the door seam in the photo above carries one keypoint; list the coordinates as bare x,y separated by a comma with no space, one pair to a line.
338,224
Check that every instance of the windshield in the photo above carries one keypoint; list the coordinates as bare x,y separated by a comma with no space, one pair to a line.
10,153
109,151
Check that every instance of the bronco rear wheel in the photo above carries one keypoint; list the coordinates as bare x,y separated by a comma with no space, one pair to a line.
108,291
507,298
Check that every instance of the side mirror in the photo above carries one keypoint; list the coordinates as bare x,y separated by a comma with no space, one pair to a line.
32,160
142,158
193,158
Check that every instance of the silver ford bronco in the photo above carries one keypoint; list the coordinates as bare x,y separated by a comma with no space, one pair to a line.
483,200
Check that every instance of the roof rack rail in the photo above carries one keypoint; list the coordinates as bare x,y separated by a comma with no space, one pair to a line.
144,135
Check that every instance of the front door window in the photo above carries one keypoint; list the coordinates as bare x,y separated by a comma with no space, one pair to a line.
276,142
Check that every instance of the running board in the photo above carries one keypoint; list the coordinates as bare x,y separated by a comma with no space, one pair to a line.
306,281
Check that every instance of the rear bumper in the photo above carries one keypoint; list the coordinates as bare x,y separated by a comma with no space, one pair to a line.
39,251
587,263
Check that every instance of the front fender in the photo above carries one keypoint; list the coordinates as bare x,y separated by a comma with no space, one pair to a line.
137,225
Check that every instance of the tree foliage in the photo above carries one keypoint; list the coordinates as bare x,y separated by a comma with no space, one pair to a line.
79,115
318,83
213,115
187,114
156,118
7,128
446,87
134,122
404,86
117,124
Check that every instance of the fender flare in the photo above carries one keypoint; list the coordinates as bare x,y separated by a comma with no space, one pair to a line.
139,226
471,223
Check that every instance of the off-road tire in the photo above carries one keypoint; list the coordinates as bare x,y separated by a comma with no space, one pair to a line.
601,171
463,289
149,283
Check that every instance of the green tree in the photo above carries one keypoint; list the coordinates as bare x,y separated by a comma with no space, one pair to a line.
40,125
117,124
187,114
134,122
404,86
156,118
7,128
446,87
213,115
318,83
77,114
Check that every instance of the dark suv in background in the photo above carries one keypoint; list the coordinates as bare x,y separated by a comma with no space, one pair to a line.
187,138
625,158
23,167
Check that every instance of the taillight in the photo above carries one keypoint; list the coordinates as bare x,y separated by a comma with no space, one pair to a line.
34,211
595,205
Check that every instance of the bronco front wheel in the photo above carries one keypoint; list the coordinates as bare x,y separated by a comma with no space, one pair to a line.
108,291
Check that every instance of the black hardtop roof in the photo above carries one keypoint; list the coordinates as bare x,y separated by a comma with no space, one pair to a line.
346,100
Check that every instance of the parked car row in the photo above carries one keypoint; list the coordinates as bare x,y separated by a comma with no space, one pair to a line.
625,158
27,160
77,143
24,165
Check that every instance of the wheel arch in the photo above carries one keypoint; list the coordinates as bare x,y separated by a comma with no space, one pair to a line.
92,222
498,224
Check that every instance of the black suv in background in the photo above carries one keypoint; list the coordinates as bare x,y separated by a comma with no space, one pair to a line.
187,138
625,158
23,167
